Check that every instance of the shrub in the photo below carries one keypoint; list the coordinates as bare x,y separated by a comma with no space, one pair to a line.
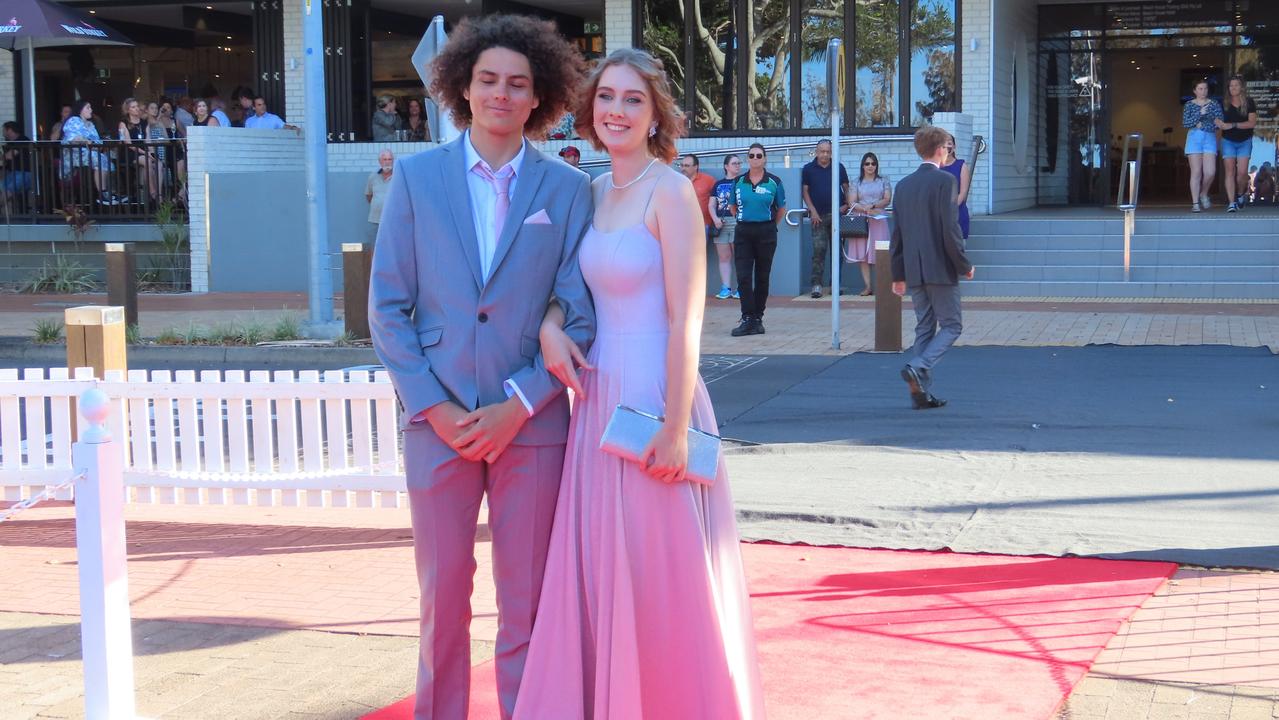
63,275
47,331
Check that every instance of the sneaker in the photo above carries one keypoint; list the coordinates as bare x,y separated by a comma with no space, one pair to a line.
817,292
1204,202
744,328
1194,207
724,293
735,295
757,326
1232,207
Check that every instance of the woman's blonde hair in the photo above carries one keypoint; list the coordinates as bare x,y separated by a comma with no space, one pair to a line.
1243,90
667,115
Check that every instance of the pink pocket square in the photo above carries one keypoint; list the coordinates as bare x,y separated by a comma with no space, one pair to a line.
538,218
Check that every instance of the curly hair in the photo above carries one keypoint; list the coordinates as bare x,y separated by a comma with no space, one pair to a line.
670,119
557,66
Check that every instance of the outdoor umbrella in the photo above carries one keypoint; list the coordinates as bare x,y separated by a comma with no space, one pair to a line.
439,119
29,24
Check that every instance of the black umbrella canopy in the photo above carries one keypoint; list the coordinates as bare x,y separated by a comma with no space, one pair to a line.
47,24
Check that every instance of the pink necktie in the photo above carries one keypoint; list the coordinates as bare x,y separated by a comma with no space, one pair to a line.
501,183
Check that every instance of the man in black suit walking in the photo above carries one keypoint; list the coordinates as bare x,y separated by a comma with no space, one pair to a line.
928,259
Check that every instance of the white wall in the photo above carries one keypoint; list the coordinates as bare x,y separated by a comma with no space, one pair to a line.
8,88
1013,185
231,150
975,93
617,25
294,79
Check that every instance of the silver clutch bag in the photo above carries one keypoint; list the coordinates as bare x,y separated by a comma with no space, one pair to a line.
629,431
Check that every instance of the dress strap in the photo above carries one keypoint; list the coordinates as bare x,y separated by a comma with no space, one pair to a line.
649,200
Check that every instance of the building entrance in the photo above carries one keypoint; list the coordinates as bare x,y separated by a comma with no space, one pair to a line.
1110,69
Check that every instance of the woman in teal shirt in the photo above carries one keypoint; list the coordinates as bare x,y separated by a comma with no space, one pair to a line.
761,200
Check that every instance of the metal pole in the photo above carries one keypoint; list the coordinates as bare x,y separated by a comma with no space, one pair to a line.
834,57
320,288
29,90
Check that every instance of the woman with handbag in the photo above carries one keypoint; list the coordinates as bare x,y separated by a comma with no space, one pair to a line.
871,194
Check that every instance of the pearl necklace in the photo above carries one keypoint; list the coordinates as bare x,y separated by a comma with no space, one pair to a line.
637,179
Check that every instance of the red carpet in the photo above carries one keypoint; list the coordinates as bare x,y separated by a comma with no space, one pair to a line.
847,633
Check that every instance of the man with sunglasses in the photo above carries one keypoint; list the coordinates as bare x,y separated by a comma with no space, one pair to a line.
815,181
761,202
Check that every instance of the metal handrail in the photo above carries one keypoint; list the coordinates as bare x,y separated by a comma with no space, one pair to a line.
808,144
1130,178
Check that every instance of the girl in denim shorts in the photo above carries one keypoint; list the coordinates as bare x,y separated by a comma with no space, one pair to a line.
1201,116
1239,118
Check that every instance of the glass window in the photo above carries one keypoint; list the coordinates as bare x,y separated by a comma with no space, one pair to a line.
662,24
715,60
933,84
820,21
877,41
769,86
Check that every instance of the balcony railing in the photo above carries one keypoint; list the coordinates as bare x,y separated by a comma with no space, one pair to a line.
111,181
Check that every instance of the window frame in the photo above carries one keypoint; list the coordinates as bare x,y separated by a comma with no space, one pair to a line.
742,110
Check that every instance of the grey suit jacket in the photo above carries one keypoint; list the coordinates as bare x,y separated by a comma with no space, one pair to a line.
927,246
442,332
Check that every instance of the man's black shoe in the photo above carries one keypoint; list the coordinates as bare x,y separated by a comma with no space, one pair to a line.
927,402
757,326
918,397
744,328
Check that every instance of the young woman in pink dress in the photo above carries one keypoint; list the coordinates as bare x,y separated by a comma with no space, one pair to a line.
644,611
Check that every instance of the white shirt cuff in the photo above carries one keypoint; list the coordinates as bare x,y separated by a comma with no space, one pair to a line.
512,389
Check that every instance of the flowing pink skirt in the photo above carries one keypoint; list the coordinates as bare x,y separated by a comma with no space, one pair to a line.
644,612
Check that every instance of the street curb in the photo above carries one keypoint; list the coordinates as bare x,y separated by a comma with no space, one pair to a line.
56,355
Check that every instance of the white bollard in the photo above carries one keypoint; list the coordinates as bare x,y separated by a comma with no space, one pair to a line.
105,634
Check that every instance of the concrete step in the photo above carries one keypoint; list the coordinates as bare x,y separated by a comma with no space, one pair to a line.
1115,258
1116,242
1148,273
1135,289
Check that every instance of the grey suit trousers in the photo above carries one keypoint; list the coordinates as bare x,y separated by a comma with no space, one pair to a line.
938,324
522,488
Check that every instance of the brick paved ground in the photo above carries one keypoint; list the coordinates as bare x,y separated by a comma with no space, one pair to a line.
796,326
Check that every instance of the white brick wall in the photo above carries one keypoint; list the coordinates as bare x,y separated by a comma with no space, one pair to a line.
975,93
294,80
229,150
617,25
1014,187
8,89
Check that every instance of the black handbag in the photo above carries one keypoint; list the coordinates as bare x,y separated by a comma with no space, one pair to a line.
854,226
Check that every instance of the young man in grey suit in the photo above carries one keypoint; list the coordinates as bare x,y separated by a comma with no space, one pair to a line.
476,238
928,259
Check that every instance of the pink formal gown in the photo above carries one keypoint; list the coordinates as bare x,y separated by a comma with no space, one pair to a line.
644,613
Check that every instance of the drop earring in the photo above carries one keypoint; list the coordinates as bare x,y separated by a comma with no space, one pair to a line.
652,130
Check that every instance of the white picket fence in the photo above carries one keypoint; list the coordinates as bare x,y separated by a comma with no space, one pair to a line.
311,439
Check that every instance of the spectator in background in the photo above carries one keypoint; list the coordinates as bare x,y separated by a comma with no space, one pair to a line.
202,116
1263,186
869,196
262,119
243,99
928,258
1250,190
133,133
964,174
761,201
375,190
159,131
724,218
175,131
1238,119
387,123
217,108
571,155
815,181
56,133
1200,116
184,114
703,184
418,129
78,133
17,160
